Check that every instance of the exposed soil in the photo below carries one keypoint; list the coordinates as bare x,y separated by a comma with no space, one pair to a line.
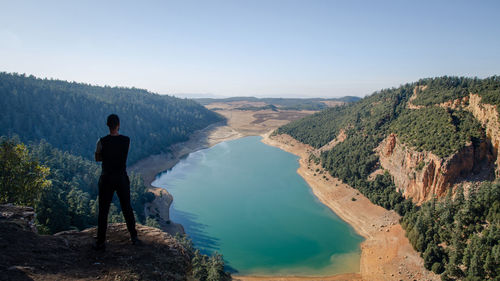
26,255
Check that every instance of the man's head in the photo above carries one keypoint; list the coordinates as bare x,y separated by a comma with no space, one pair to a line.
113,122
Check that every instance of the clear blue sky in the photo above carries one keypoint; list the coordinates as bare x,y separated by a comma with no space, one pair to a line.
254,47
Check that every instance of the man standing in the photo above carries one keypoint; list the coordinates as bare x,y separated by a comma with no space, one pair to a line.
112,150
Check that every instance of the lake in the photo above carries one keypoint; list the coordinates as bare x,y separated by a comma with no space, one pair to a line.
244,199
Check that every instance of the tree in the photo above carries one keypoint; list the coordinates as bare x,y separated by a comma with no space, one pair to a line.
216,268
21,179
199,262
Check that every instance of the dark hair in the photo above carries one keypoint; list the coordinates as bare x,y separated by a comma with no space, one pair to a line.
113,121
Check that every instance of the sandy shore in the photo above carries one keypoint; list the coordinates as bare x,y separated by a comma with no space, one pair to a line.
386,254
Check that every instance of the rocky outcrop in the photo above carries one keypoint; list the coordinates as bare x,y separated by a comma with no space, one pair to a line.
423,175
25,255
327,147
159,208
416,91
486,114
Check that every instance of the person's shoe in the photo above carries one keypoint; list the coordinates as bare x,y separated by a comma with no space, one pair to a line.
99,246
135,241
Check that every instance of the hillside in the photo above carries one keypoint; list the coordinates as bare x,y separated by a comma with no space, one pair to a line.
72,116
404,146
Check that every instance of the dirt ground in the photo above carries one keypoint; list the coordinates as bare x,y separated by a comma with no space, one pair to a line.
68,255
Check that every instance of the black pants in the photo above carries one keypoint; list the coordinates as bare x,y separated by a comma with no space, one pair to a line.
108,184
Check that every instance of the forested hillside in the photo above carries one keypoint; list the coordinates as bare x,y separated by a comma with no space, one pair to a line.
61,187
48,133
458,237
72,116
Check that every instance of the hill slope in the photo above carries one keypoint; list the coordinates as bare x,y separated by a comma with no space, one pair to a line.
431,138
71,116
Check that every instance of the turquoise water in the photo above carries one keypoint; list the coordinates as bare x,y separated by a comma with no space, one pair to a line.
245,200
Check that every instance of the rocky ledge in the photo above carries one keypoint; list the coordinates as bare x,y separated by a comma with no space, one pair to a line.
26,255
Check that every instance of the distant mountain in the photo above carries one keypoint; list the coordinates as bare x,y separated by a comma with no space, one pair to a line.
435,138
285,103
71,116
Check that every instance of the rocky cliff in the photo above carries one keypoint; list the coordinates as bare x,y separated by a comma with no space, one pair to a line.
423,175
159,208
25,255
487,114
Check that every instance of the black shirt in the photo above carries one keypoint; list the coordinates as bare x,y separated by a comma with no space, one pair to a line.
114,151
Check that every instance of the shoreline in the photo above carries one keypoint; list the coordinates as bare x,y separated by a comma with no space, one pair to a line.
386,253
151,166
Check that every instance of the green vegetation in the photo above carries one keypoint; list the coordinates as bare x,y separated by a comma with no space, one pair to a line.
458,237
283,103
437,129
61,187
72,116
205,268
62,122
442,89
21,179
446,88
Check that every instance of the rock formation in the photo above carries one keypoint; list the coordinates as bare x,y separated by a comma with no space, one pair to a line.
423,175
159,208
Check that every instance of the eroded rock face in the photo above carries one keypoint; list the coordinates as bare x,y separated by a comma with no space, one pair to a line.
160,205
423,175
159,208
487,115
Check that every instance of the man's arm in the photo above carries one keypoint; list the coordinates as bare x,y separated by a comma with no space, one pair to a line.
98,151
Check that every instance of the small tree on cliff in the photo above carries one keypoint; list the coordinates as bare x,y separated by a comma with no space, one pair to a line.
216,268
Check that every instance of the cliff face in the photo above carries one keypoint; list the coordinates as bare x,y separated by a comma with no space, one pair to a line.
487,114
68,255
423,175
159,208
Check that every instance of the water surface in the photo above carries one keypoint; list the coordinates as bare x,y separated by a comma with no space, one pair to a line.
245,200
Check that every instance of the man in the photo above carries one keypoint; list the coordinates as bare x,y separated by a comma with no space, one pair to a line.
112,151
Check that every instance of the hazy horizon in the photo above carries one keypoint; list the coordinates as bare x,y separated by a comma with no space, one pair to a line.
251,48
